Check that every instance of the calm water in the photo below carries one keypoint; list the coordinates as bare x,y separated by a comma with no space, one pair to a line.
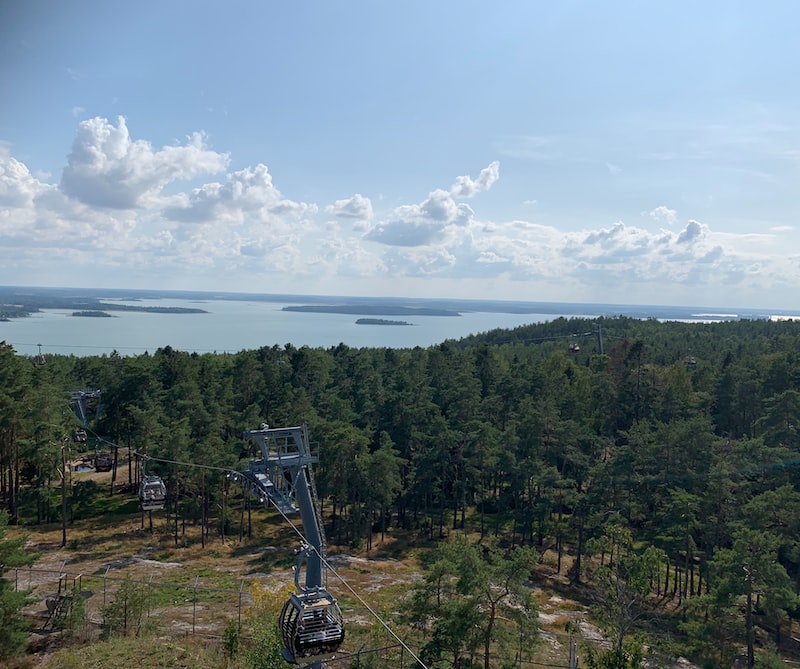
232,326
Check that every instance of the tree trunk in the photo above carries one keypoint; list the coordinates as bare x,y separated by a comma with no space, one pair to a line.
751,659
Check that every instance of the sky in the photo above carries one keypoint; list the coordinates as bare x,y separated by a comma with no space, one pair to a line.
618,152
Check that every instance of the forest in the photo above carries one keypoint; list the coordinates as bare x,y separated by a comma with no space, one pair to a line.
656,461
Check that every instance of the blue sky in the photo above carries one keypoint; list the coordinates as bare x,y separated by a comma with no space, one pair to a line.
620,152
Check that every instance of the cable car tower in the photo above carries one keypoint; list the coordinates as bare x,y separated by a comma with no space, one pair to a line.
84,402
311,622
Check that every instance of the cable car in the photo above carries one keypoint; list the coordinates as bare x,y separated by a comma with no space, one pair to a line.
311,627
80,436
689,361
574,347
152,493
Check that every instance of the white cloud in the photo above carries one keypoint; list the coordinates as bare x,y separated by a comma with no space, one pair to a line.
468,187
664,214
18,188
357,207
435,219
112,212
691,233
248,195
106,168
402,232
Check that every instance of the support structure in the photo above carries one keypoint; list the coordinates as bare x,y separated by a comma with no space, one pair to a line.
284,477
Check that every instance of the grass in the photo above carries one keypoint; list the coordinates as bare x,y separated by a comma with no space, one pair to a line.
151,651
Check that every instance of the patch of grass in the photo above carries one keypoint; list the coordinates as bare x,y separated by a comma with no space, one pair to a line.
140,652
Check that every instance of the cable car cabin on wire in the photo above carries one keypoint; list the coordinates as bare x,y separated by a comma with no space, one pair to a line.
152,493
311,627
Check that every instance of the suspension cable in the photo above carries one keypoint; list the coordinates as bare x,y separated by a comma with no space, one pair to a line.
296,530
360,599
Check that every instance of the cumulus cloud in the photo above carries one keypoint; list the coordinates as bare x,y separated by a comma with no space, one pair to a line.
664,214
18,187
121,205
468,187
357,207
435,218
691,233
106,168
406,233
247,194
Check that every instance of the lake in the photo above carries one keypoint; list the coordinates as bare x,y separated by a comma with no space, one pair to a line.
236,322
231,326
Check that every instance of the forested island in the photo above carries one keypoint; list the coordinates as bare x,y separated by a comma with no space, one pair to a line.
367,309
650,476
91,314
380,321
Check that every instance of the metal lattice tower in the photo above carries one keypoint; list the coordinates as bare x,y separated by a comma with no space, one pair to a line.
283,476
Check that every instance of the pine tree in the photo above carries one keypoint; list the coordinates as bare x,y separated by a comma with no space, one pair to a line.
12,554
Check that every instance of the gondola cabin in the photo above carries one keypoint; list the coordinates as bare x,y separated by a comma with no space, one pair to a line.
311,627
152,494
79,437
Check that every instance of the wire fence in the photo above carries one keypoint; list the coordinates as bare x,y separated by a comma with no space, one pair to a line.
192,608
199,610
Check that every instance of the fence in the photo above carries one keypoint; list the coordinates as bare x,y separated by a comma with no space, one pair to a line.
190,608
195,609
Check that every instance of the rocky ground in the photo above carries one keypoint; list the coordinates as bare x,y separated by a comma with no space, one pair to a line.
196,590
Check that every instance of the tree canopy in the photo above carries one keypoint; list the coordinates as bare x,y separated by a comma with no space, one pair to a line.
682,435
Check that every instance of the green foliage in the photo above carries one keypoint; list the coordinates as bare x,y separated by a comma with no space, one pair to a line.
623,597
231,639
126,615
469,596
629,656
13,627
503,435
264,651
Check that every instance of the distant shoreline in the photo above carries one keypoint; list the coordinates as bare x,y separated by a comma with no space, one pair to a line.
235,322
20,301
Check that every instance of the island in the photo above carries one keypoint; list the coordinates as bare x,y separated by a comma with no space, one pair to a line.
371,310
380,321
151,309
91,314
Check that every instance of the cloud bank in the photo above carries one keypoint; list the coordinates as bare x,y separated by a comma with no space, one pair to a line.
178,216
